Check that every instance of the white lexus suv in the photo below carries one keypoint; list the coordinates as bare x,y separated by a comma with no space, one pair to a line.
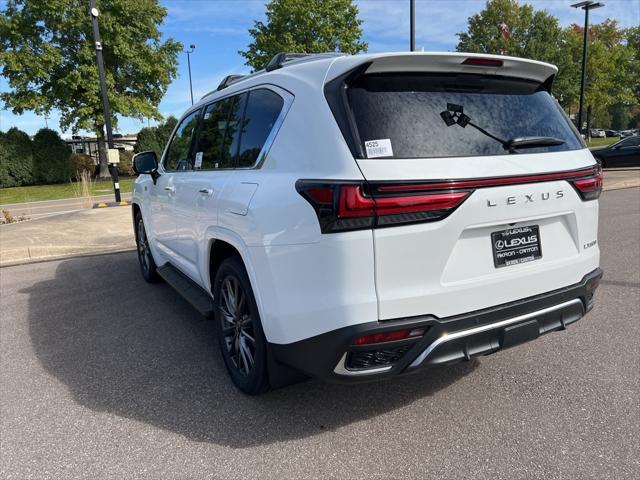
358,217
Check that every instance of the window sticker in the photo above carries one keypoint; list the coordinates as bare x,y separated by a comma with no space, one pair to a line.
378,148
198,162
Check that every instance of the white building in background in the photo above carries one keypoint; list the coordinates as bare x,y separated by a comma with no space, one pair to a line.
89,145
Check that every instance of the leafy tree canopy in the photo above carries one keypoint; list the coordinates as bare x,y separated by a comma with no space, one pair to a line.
510,28
305,26
47,56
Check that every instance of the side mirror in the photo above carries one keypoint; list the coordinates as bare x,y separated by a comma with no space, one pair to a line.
145,162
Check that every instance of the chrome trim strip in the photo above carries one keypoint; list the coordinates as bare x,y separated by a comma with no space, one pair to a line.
341,368
472,331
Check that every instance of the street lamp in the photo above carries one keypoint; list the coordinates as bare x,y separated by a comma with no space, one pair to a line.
412,25
189,52
105,99
586,6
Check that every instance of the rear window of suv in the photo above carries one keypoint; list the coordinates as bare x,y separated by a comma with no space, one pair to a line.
401,115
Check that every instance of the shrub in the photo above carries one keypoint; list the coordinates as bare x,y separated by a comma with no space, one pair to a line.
80,163
50,158
16,158
125,167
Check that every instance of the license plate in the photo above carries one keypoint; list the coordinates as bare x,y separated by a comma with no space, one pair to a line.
516,245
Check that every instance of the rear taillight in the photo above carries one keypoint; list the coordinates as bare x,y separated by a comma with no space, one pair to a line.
590,187
347,206
344,205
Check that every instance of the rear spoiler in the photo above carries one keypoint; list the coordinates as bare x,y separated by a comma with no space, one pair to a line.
482,64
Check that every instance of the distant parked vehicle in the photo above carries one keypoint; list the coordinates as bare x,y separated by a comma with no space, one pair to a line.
628,133
625,153
597,133
612,133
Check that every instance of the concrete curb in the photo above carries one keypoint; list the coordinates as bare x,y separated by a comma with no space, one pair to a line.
45,254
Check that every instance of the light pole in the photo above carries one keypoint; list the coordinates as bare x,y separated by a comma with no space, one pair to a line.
412,25
586,6
105,99
189,52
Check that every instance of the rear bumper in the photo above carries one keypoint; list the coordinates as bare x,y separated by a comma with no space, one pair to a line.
332,355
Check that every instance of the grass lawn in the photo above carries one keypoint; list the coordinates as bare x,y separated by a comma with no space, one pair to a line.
602,142
61,190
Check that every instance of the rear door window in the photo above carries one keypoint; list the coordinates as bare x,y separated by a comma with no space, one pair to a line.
262,111
217,142
179,156
401,115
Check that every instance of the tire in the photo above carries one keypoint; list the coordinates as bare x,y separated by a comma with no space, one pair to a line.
238,328
145,257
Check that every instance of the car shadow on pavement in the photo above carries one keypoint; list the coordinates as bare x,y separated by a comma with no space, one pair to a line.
140,351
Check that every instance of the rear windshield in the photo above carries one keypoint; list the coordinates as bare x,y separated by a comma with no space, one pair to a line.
404,116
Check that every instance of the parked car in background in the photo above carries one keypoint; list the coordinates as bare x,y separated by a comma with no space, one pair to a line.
628,133
624,153
612,133
597,133
358,217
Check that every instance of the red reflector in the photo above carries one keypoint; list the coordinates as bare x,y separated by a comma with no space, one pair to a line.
593,283
389,336
484,62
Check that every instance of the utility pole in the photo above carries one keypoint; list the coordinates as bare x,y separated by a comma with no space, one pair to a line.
412,25
189,52
586,6
105,99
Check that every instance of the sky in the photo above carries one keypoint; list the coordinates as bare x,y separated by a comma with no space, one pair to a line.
219,28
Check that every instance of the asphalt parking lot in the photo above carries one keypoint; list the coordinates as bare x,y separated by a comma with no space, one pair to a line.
104,376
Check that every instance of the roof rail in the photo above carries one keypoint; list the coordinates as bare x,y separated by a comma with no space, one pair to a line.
228,80
281,58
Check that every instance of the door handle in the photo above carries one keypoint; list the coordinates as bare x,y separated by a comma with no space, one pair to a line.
206,191
170,189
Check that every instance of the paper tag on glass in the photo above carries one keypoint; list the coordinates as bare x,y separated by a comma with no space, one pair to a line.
378,148
198,162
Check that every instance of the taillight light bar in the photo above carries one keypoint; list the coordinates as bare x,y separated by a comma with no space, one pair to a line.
344,205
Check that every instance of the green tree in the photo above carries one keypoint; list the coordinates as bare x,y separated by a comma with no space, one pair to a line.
611,71
51,155
510,28
506,27
16,158
47,55
305,26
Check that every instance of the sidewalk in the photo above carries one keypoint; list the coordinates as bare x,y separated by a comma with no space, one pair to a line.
616,178
85,232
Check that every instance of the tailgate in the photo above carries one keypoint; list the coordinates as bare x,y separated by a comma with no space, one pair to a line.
447,267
